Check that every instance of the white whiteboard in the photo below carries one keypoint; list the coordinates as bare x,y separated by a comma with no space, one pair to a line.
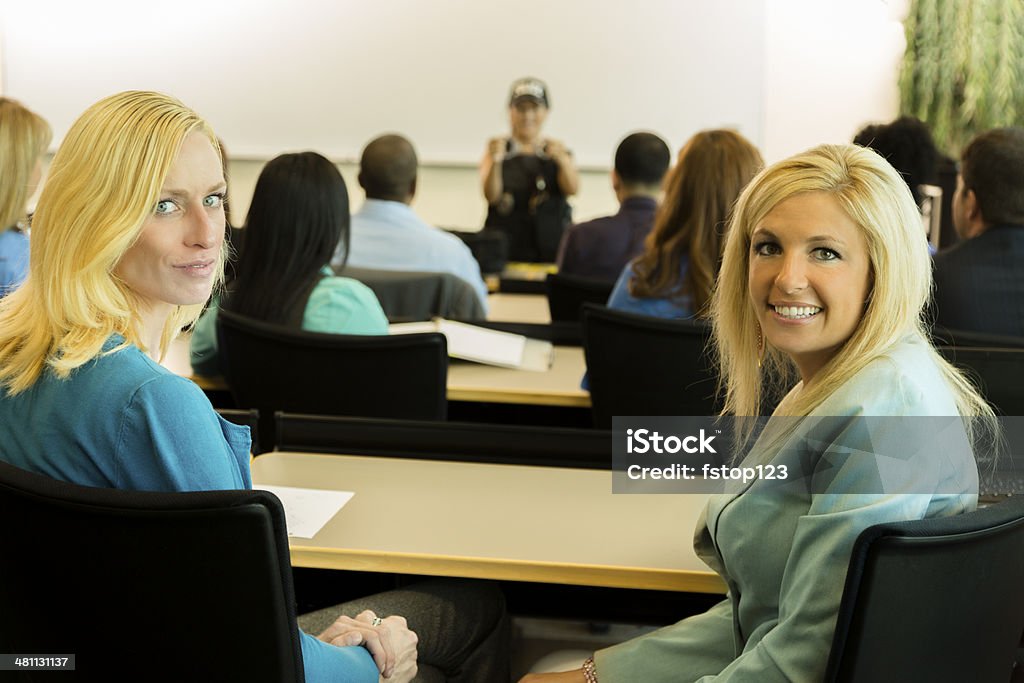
274,76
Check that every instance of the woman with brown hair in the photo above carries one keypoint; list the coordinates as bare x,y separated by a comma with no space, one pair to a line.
675,274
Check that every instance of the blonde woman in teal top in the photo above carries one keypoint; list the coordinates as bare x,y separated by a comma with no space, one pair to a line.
299,214
126,248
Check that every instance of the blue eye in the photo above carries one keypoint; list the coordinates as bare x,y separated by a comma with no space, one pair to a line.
214,200
826,254
165,206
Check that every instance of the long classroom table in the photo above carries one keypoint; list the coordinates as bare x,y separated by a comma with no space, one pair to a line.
508,522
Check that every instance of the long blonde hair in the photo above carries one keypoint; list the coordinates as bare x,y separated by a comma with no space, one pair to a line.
877,199
103,184
24,137
712,170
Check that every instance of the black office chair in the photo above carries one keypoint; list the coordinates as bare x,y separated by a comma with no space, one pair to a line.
997,372
147,586
273,368
511,284
938,600
459,441
639,365
489,247
408,296
568,293
945,336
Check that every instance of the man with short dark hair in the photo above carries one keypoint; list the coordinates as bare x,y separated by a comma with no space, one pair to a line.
979,282
601,248
387,235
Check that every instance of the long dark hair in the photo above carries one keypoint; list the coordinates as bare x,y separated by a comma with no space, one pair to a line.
298,215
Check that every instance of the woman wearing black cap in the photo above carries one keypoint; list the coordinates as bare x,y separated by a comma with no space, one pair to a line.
527,178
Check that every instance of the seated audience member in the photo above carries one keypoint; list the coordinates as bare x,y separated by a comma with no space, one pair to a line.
979,283
527,178
674,275
297,217
136,194
24,137
601,248
388,235
823,281
907,144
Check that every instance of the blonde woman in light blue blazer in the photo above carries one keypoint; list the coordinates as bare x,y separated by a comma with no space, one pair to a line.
823,283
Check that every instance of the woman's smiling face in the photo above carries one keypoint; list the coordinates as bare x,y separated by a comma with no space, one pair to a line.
809,278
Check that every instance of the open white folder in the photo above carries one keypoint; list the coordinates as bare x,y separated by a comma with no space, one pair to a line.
479,344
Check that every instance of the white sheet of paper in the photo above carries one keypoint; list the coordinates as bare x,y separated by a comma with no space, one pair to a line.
306,511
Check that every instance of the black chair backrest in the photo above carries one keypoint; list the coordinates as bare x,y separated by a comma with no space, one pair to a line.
459,441
945,336
489,247
408,296
167,586
568,293
938,600
639,365
998,373
273,368
512,284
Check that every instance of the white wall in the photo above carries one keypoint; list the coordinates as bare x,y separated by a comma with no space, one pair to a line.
274,76
831,66
827,67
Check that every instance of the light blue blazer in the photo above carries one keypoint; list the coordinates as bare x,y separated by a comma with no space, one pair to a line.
784,551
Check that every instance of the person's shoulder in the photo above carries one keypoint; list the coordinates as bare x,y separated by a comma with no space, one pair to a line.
124,379
954,253
593,227
904,380
344,287
12,238
996,243
132,373
451,241
342,305
13,246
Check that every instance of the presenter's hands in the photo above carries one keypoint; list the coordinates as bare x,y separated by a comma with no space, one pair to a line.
558,151
391,644
496,149
568,177
574,676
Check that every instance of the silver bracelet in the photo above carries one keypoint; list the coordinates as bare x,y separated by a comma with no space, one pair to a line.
589,672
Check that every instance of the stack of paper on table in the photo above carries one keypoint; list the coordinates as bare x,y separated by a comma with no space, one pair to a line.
482,345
